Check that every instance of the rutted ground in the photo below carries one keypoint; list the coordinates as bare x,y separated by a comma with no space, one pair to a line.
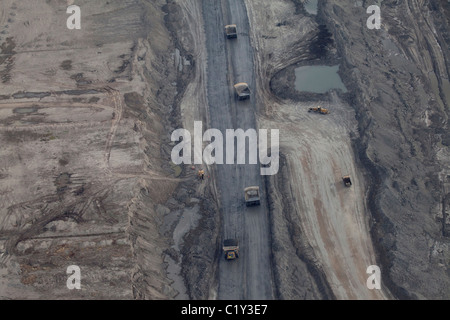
394,150
400,76
321,235
84,127
85,173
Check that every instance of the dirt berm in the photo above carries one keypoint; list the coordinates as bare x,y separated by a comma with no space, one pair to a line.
85,176
398,81
400,77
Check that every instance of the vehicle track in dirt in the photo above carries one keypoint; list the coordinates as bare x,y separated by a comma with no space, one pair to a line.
117,100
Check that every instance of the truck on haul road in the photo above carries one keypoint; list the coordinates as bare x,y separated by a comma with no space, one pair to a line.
252,196
242,90
231,249
231,31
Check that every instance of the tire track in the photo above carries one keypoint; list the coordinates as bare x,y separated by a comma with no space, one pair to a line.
117,116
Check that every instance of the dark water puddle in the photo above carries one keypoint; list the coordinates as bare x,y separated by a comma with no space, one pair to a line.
318,79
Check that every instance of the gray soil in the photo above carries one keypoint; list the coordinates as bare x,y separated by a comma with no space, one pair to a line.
398,79
86,176
402,152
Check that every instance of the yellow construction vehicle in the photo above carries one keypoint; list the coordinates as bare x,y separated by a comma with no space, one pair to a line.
319,109
231,249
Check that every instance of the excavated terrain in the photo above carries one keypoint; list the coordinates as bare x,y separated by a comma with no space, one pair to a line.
398,88
400,80
86,176
85,180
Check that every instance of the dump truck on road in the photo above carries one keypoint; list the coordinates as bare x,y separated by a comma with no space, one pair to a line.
242,90
231,31
252,196
231,249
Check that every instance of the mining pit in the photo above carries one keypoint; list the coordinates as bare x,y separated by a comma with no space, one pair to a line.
86,176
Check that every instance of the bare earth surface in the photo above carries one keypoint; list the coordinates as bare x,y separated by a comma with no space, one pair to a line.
86,177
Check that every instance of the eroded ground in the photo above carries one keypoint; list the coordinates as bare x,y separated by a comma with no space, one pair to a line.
85,171
399,78
82,177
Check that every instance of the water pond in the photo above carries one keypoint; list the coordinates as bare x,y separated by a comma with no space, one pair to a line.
318,79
